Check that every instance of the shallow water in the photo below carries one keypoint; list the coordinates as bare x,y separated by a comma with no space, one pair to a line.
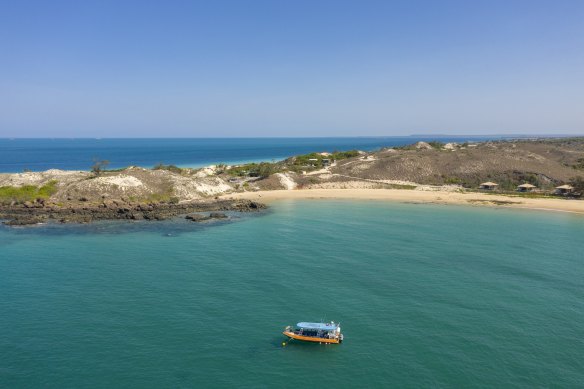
427,295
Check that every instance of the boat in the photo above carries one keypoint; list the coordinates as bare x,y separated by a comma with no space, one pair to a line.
315,332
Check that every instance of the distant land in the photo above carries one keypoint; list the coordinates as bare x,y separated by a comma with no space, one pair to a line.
35,154
445,170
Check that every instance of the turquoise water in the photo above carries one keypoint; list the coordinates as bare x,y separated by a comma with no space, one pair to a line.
426,295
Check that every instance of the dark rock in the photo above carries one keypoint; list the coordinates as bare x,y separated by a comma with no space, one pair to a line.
109,210
197,217
25,221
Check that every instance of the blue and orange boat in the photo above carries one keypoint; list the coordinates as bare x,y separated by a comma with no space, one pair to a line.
315,332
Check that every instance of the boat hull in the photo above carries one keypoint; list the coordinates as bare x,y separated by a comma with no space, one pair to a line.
310,338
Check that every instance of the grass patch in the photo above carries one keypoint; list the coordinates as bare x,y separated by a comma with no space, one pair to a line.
9,194
170,168
404,186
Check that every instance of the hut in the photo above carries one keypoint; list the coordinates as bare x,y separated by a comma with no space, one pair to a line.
526,188
488,186
564,189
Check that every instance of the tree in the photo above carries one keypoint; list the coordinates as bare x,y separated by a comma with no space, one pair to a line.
99,166
266,169
578,184
221,168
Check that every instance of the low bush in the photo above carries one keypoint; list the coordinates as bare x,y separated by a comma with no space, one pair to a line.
170,168
9,194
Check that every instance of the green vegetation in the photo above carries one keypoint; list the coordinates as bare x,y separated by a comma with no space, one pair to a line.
453,180
221,167
436,145
166,197
121,169
315,160
578,184
579,164
402,186
9,194
170,168
301,162
338,155
262,169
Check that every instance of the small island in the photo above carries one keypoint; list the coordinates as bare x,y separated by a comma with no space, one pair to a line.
545,173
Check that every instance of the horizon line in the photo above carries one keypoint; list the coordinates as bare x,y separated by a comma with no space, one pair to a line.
525,135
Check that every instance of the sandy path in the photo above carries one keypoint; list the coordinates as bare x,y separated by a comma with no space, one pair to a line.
400,195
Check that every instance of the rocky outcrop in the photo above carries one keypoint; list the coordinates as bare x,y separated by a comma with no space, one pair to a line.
27,214
199,217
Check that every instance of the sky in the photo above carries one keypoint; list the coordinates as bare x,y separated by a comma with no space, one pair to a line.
290,68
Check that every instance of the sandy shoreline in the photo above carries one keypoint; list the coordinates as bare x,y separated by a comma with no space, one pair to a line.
415,196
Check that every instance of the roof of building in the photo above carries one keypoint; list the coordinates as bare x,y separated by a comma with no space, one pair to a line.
318,326
527,186
569,187
489,184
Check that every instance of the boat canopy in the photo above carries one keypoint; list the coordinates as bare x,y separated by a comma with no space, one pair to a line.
318,326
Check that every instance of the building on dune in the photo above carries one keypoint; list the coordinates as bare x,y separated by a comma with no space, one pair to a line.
488,186
564,189
526,188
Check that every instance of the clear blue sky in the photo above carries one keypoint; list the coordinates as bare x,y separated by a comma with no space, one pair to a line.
290,68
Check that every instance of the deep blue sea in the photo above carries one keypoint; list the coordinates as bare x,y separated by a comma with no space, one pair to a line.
17,155
427,296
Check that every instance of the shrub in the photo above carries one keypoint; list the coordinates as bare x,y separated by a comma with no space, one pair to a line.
436,145
579,164
170,168
578,184
8,194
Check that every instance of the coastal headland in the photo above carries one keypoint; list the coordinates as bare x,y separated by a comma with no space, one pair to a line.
544,174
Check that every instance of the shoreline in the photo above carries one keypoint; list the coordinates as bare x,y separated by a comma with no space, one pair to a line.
31,214
417,196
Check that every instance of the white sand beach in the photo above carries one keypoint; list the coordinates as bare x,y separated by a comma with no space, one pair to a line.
417,196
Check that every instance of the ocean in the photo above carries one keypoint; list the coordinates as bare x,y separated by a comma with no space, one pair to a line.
18,155
427,296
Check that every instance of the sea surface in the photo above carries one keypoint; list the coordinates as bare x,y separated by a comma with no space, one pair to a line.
427,296
17,155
